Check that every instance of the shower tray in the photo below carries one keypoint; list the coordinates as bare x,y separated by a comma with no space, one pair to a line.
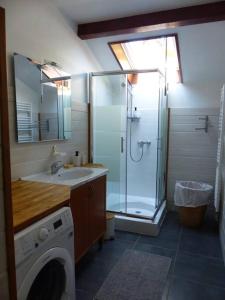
140,225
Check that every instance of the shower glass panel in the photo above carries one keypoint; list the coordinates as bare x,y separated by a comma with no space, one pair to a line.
129,137
162,144
142,142
109,105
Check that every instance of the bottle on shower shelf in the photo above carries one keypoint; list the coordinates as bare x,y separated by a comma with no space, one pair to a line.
136,114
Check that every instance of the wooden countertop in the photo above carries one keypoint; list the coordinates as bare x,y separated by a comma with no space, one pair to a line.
33,201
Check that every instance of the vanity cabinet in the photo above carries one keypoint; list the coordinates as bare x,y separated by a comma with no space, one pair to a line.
88,205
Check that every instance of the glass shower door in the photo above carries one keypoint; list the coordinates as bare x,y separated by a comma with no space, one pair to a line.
109,111
162,144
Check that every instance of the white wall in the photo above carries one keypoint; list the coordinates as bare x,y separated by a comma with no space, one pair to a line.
195,95
37,29
141,176
192,153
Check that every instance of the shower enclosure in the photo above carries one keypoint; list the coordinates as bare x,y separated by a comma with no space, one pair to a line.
129,137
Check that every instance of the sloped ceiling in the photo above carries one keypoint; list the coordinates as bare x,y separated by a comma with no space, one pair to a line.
202,49
83,11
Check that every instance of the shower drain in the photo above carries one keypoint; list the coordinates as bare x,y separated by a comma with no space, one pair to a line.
138,212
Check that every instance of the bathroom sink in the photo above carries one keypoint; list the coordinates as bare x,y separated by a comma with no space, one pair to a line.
72,177
74,174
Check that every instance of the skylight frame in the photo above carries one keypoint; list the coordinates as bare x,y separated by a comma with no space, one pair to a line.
174,35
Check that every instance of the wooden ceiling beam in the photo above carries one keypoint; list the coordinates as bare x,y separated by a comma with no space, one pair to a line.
154,21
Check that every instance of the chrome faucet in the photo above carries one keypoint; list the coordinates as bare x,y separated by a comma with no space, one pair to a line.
142,143
56,166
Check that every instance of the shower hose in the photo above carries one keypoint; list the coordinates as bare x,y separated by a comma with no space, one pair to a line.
142,148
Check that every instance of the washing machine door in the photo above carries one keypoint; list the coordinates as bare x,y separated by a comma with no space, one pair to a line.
51,277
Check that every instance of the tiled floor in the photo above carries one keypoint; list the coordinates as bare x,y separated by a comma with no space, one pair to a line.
197,271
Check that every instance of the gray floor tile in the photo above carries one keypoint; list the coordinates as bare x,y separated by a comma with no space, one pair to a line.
113,249
171,221
84,295
155,250
181,289
91,278
201,244
166,239
200,269
197,270
126,236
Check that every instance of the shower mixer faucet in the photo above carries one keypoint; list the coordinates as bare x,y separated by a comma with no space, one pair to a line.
142,143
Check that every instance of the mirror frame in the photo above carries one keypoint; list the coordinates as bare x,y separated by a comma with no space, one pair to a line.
61,78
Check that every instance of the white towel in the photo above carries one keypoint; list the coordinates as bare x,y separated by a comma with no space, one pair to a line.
221,132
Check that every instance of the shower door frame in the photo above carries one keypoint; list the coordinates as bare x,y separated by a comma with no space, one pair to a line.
90,131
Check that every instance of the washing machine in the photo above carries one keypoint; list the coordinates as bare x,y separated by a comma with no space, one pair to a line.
44,252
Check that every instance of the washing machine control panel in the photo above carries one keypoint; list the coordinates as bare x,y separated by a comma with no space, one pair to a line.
35,236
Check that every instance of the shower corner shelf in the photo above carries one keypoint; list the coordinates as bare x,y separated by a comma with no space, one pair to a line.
134,118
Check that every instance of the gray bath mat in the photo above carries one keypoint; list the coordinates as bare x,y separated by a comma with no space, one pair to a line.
136,276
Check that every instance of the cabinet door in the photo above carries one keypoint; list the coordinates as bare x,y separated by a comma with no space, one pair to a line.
80,206
97,206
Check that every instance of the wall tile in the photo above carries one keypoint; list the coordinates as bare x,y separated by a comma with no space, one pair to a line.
192,154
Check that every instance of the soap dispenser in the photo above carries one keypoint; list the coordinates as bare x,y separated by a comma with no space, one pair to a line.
77,159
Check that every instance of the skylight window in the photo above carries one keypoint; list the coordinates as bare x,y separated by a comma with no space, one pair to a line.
155,53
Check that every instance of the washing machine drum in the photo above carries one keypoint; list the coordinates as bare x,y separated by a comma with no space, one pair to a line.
50,282
50,278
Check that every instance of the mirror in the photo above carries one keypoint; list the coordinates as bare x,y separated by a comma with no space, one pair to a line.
43,101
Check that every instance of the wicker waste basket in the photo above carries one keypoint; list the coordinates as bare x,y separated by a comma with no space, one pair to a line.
192,199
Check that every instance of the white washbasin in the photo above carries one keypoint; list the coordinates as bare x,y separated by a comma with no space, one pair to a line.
75,174
72,177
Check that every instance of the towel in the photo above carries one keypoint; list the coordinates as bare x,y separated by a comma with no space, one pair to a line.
221,132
